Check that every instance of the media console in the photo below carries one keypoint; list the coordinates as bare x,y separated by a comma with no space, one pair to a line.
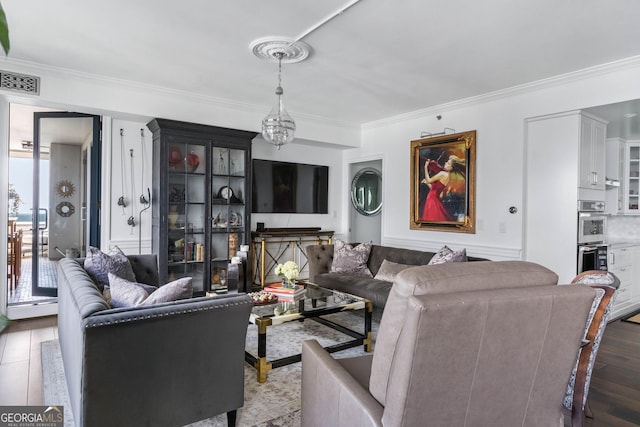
275,246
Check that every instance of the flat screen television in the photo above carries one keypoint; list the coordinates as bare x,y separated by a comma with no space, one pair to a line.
283,187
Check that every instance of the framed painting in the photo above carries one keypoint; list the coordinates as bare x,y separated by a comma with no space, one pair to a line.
443,185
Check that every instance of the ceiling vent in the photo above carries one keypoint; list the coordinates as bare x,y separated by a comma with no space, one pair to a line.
19,82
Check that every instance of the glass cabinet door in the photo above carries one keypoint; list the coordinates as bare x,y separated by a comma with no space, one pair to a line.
186,184
228,183
633,178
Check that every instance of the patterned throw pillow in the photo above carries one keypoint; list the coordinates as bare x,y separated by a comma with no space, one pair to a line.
445,255
125,293
389,269
99,264
347,259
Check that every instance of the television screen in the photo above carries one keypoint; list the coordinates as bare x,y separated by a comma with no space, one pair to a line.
282,187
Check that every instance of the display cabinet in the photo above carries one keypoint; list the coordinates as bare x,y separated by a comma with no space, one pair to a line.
201,200
631,183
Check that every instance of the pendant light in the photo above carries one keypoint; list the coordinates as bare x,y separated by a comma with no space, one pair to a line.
278,127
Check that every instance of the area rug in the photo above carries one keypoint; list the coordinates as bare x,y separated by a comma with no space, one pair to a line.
633,318
275,403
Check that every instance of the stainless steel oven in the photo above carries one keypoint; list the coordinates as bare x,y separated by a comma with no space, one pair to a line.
591,222
592,257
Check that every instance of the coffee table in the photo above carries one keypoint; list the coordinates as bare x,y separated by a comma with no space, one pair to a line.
315,303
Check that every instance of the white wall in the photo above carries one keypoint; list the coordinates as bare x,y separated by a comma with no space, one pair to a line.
499,119
118,164
4,195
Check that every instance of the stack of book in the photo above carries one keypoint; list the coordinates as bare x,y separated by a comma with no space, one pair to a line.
285,293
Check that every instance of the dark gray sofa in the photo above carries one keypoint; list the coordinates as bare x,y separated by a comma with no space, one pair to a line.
321,257
168,364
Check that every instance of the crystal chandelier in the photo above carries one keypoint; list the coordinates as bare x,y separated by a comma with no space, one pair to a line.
278,127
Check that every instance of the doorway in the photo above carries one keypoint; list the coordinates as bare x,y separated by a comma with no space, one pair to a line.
54,190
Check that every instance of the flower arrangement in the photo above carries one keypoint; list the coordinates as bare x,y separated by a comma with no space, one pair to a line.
289,271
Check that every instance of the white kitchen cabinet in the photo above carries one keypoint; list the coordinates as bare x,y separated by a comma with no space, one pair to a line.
621,263
591,169
631,181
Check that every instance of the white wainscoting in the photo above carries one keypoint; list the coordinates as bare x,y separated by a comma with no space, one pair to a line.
493,253
132,246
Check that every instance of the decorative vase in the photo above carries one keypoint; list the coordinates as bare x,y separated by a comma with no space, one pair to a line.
286,283
176,160
192,161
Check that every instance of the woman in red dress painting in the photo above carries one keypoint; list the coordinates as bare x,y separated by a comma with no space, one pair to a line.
437,179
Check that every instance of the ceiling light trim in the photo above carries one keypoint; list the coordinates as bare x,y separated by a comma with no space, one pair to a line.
270,48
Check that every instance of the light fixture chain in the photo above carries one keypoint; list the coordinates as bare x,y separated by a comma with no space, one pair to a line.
280,55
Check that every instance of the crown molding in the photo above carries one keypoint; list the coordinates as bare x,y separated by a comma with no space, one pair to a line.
561,79
18,65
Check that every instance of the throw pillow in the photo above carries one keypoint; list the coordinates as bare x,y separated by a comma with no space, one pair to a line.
347,259
125,293
389,269
445,254
172,291
99,264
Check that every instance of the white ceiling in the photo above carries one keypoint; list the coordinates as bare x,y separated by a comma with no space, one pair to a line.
377,60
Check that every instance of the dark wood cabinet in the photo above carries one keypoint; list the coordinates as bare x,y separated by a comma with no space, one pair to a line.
201,201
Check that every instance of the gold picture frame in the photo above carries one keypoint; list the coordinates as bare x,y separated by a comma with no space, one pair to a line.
444,166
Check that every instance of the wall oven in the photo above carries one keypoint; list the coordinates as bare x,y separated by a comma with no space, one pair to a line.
591,222
592,257
592,251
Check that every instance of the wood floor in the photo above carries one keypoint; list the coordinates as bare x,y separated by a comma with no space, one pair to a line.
615,384
20,366
614,394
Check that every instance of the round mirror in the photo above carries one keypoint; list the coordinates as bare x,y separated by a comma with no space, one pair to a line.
65,188
366,191
65,209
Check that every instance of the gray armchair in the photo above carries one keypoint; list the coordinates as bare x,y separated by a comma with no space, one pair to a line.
483,343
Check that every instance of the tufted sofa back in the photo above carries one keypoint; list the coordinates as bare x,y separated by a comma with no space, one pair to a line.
321,258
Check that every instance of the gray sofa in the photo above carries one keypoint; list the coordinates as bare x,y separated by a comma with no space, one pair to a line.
167,364
321,257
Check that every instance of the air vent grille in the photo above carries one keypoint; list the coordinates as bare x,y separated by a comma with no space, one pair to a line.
19,82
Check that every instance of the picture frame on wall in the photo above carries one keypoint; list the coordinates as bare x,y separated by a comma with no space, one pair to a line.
443,185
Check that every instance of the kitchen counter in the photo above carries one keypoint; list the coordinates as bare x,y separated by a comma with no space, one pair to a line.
620,245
